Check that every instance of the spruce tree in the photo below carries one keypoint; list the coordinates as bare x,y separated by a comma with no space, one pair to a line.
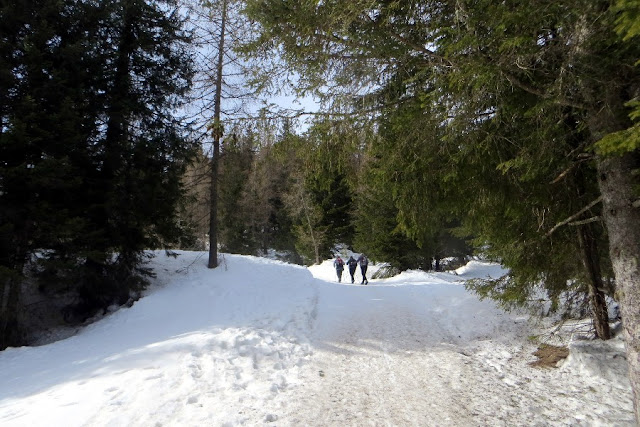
236,162
48,117
328,151
378,233
142,151
91,151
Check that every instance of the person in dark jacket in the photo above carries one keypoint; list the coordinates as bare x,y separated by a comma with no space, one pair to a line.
352,264
339,265
364,263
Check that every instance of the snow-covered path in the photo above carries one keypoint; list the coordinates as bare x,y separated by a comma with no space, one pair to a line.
414,352
257,342
383,364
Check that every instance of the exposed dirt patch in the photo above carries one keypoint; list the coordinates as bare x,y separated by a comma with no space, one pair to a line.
549,356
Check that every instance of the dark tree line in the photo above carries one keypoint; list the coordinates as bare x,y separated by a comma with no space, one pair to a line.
306,194
91,151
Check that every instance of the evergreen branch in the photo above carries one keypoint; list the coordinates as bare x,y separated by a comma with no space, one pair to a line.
294,114
572,217
569,169
415,46
586,221
532,90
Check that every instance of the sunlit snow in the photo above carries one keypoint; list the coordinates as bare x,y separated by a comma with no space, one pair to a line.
260,342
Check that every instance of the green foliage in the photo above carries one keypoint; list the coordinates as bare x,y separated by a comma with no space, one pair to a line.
623,141
618,143
628,18
276,227
91,151
537,140
410,171
235,166
255,183
377,231
484,113
319,197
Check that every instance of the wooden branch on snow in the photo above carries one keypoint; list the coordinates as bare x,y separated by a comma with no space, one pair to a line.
573,217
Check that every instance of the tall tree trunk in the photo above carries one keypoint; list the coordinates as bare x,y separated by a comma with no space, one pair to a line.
116,138
590,253
11,268
591,260
217,135
10,334
622,219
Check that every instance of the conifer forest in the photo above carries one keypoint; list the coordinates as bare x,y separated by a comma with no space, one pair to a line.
419,132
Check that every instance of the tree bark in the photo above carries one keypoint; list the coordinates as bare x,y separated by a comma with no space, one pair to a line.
622,219
590,258
11,268
217,135
9,327
213,209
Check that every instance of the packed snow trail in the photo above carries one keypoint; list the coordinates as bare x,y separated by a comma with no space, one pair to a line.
384,363
258,342
419,350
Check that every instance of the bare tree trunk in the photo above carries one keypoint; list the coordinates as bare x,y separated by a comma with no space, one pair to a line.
590,258
11,269
217,135
5,317
9,299
615,178
213,209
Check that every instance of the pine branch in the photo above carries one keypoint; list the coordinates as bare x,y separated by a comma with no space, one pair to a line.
572,217
532,90
415,46
569,169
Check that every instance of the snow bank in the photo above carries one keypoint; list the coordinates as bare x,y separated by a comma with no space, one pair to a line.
602,361
257,341
198,343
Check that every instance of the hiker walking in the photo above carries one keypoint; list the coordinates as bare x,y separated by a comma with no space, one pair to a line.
339,265
364,262
352,264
